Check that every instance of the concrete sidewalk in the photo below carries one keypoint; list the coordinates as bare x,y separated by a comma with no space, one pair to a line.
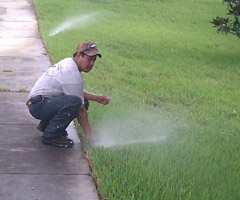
30,170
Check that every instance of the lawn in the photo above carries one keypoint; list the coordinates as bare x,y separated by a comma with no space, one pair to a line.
172,128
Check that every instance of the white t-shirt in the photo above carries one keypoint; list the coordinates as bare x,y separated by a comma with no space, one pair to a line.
63,78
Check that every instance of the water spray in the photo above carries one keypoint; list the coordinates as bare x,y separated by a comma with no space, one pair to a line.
73,21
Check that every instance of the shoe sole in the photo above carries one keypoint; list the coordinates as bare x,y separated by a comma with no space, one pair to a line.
58,145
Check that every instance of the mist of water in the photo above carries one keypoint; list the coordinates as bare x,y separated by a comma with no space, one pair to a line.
133,129
78,21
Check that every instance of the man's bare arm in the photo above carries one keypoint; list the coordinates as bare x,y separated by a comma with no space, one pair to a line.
83,121
100,98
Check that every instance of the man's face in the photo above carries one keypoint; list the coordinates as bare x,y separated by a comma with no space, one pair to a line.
85,63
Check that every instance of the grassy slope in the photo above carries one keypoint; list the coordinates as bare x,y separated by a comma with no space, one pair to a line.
165,57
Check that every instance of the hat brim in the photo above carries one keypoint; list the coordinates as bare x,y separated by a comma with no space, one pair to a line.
94,53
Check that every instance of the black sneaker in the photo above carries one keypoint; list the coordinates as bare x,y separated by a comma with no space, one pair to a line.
65,134
58,142
42,127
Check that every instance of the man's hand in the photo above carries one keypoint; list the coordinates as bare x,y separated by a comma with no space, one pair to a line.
103,99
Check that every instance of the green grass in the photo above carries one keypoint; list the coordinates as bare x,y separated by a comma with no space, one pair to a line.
3,89
163,59
7,70
24,89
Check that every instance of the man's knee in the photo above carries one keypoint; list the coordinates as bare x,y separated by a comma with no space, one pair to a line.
74,101
77,102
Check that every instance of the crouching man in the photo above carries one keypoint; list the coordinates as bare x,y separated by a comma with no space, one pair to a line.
58,96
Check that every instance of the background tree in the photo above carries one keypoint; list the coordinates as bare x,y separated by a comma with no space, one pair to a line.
231,24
